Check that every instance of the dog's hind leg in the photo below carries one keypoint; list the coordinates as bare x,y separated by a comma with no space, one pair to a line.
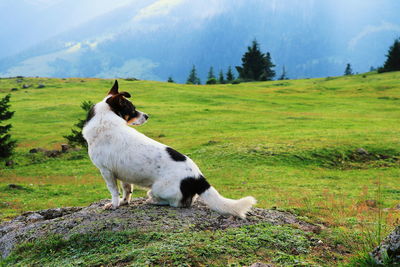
111,182
168,192
154,200
126,193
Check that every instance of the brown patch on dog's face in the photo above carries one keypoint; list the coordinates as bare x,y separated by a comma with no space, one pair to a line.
132,121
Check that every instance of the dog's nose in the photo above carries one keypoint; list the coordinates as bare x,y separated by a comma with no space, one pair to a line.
146,116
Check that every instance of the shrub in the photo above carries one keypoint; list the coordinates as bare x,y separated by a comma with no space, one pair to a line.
212,81
7,145
76,137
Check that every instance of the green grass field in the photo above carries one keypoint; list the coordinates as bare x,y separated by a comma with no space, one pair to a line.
291,144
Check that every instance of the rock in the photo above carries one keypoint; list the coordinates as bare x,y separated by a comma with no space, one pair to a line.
389,247
362,151
15,186
33,150
137,215
52,153
9,163
259,264
41,85
25,86
36,150
65,148
34,217
397,207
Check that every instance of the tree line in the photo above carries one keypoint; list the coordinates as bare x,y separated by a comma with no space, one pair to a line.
392,62
258,66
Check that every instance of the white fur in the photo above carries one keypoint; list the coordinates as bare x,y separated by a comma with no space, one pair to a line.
120,152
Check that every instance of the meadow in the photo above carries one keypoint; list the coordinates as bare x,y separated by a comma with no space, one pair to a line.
326,149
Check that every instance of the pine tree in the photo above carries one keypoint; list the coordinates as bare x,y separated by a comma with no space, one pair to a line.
76,137
221,78
211,77
193,79
348,70
269,73
283,76
170,80
392,58
7,145
256,66
229,75
211,73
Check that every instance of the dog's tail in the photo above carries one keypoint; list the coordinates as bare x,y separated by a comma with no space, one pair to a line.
224,205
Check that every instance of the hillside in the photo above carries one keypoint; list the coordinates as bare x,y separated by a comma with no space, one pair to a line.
326,149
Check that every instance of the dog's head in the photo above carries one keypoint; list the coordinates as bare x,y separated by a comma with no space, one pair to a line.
124,108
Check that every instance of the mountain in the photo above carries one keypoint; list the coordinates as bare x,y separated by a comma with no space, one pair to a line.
156,39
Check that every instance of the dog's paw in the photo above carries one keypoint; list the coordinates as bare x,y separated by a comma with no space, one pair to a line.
150,201
109,206
124,202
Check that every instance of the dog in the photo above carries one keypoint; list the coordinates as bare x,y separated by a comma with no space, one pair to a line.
122,153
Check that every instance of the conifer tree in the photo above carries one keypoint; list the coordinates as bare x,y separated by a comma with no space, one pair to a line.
211,77
283,76
230,77
170,80
221,78
348,71
7,145
256,66
193,79
211,73
392,62
269,73
76,137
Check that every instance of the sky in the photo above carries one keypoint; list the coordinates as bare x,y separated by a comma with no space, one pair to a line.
39,35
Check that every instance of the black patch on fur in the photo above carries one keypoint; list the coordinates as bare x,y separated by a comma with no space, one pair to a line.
122,106
175,155
90,115
191,186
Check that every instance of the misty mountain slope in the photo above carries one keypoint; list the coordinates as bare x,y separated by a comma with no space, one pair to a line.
156,39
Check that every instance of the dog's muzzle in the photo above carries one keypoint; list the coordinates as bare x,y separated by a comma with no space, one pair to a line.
143,117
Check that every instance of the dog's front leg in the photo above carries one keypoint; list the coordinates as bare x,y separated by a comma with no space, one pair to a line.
111,182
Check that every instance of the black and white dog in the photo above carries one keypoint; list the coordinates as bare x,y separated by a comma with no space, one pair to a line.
122,153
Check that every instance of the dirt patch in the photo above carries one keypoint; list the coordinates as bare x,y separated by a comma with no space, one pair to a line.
138,215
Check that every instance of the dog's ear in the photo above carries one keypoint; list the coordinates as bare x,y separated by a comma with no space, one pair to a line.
126,94
114,89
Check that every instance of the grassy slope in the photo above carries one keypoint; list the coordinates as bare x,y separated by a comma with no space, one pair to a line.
288,143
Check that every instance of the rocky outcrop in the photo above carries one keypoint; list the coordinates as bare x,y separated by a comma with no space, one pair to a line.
388,252
138,215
